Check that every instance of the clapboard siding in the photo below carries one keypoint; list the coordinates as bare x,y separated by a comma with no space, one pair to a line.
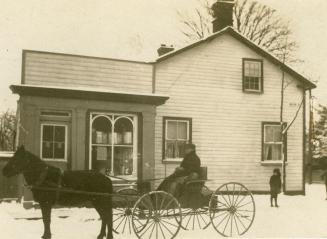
205,83
76,71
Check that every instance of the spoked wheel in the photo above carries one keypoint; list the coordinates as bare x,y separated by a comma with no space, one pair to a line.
195,213
232,209
156,215
195,218
122,212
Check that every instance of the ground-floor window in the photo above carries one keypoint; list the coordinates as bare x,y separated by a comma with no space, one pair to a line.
272,142
113,143
54,142
177,132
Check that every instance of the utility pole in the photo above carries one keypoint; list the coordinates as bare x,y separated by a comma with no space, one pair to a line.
310,138
282,127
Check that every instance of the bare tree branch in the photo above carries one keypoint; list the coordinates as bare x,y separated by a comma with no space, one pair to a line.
256,21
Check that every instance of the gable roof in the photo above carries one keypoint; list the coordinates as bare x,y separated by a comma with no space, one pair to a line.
249,44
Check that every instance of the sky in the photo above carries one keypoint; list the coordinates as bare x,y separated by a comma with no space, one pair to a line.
133,29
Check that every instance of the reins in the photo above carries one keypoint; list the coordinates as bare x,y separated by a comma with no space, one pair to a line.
130,181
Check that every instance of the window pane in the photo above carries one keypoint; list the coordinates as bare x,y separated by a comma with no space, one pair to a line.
276,152
123,160
59,150
182,130
269,133
171,129
47,150
252,83
47,133
59,134
180,149
246,68
273,152
277,133
273,133
252,68
101,158
101,131
170,149
123,131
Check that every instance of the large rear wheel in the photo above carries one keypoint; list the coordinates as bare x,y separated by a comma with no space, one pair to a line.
232,209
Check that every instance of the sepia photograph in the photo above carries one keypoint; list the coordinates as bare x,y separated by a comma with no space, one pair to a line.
162,119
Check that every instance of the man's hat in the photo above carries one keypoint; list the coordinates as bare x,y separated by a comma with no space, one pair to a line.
190,146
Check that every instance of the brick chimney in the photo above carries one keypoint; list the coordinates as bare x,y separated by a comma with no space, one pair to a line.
223,14
163,49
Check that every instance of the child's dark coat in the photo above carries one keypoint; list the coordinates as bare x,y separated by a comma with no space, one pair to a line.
275,185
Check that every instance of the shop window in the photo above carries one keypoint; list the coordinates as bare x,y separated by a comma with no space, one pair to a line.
113,147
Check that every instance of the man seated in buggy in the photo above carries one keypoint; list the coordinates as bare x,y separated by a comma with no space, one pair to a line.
189,169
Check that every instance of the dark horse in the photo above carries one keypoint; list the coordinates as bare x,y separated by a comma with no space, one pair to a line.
38,173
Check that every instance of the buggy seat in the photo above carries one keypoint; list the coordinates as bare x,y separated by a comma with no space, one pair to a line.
196,184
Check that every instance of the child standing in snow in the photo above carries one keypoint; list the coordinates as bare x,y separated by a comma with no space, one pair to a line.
324,176
275,186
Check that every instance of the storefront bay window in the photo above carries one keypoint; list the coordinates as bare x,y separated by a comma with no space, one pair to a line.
113,144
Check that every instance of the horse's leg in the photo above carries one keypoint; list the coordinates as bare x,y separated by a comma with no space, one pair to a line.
104,208
109,220
103,222
46,215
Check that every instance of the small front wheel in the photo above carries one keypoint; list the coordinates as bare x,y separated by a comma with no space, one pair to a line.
232,209
122,212
156,215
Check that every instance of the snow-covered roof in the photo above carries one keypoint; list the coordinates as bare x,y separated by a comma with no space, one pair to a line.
89,93
248,43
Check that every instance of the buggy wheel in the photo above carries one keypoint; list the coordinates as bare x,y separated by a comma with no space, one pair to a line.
232,209
122,211
197,217
156,215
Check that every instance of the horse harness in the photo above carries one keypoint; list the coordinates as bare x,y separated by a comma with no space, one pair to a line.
42,179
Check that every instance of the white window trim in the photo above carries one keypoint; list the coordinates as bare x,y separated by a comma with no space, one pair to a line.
135,140
265,161
66,142
177,160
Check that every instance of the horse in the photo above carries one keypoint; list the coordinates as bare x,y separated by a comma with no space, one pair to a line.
42,176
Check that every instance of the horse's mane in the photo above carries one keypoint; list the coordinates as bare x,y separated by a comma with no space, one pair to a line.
33,158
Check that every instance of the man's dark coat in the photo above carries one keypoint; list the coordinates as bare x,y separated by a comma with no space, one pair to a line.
191,164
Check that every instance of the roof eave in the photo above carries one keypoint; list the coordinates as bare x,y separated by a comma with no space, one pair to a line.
150,99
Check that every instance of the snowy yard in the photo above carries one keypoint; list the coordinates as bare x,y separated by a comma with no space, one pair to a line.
297,216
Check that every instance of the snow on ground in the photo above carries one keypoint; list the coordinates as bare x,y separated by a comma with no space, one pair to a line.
297,216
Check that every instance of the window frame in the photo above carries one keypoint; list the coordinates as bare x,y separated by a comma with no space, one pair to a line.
111,114
244,60
165,119
65,159
283,143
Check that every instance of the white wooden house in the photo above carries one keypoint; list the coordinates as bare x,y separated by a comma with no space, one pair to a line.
222,93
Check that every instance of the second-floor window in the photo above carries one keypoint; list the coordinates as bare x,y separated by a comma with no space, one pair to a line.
252,75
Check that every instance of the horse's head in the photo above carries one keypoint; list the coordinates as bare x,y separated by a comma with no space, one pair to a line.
17,163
